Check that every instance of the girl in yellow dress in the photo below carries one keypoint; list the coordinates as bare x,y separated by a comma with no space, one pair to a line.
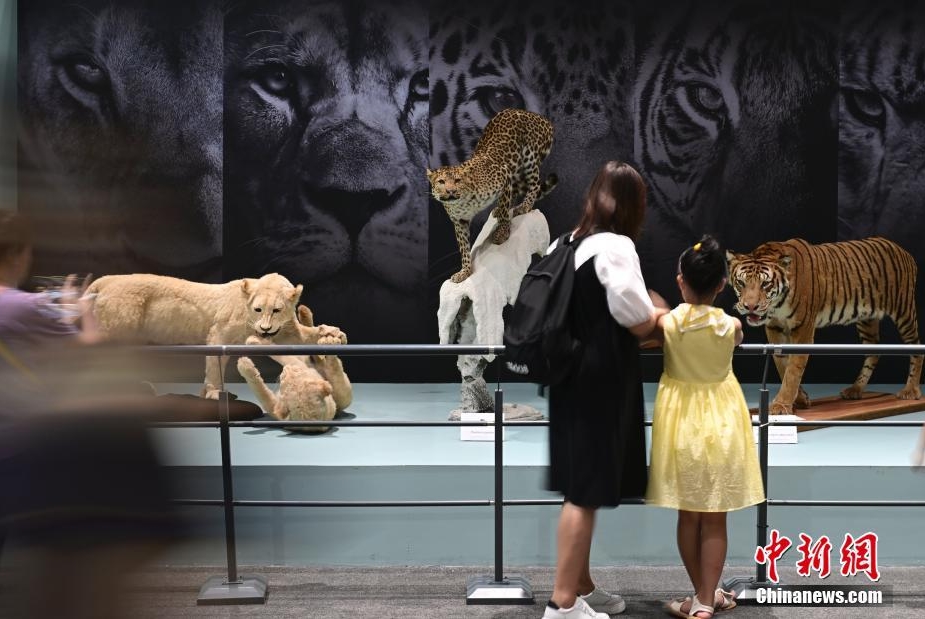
704,461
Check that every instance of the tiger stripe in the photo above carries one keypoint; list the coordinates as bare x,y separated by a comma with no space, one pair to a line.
794,287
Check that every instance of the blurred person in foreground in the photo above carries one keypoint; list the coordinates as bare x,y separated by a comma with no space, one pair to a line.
82,497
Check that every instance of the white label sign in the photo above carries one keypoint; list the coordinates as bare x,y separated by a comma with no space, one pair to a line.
779,434
479,433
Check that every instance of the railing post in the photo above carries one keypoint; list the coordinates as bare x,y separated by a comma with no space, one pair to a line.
761,569
499,484
497,589
744,588
233,590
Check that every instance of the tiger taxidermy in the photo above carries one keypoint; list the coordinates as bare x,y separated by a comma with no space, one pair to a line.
793,287
504,166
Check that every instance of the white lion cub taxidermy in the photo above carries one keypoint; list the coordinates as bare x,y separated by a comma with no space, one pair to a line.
305,393
154,309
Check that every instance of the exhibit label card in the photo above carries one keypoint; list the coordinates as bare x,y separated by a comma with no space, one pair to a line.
780,434
479,433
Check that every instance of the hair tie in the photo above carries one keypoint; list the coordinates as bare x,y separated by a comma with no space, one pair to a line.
697,246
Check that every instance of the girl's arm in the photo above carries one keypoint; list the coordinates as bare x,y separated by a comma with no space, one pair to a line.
651,328
740,335
656,337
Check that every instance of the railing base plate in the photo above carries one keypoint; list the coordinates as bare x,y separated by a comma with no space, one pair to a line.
744,588
246,590
510,590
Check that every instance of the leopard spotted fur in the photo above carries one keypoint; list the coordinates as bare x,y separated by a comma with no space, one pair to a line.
504,166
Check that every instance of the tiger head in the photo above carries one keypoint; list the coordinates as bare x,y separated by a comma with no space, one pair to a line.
326,133
761,281
271,303
121,135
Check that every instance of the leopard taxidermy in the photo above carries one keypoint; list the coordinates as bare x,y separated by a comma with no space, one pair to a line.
572,63
504,166
793,287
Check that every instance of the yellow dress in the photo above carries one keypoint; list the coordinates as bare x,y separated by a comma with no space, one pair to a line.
703,451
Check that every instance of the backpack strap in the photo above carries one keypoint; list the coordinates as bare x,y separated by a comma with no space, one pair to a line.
566,239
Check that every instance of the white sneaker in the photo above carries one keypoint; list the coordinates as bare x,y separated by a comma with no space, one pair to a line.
605,602
580,610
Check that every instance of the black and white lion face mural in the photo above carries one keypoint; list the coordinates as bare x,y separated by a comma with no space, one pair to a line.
734,126
881,123
326,137
120,136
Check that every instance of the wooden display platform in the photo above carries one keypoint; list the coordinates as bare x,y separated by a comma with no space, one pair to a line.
872,405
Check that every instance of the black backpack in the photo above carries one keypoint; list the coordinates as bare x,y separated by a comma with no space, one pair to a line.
538,342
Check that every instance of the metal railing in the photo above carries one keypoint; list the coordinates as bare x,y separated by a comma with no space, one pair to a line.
496,589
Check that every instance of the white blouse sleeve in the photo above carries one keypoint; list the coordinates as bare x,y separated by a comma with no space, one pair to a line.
618,270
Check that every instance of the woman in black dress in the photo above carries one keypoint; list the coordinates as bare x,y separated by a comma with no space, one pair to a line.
596,415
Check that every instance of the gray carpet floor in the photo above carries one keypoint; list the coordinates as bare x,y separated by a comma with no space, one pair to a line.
403,592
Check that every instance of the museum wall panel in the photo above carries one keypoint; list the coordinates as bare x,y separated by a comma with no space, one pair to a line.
213,141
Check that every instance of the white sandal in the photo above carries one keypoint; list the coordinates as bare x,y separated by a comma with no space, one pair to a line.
728,603
698,607
674,608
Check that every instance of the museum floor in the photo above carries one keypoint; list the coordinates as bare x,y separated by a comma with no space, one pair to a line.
386,593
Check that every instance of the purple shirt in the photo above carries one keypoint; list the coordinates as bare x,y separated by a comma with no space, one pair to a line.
31,324
29,319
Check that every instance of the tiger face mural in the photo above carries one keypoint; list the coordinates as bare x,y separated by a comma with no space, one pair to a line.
734,126
120,135
881,123
572,63
793,288
326,141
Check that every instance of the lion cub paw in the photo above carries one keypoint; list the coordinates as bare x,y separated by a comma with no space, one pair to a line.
256,340
328,335
247,369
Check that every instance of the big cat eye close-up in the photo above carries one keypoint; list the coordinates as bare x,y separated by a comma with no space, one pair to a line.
865,105
276,79
86,73
707,99
493,99
419,87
